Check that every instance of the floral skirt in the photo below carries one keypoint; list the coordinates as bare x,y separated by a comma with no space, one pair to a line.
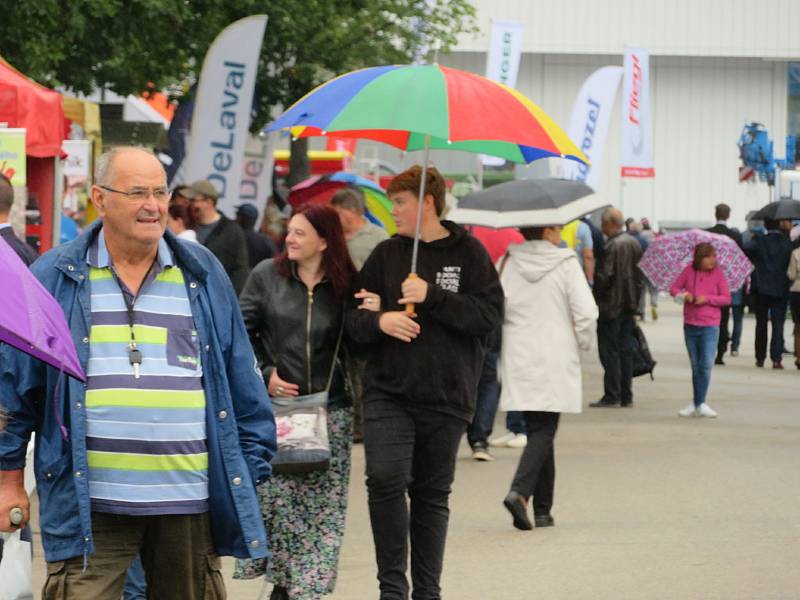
304,516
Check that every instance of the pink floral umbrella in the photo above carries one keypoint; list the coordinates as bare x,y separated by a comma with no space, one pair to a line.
667,256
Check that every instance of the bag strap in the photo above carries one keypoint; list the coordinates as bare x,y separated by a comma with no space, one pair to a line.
335,354
502,264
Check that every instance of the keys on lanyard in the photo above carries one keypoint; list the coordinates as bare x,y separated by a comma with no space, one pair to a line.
135,358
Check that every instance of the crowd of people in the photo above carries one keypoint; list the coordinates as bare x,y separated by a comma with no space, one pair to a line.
188,323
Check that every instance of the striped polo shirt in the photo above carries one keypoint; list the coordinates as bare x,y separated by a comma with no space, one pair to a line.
145,437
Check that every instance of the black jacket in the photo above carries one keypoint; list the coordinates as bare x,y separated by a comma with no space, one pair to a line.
23,250
770,254
734,234
293,330
227,242
259,246
438,370
618,282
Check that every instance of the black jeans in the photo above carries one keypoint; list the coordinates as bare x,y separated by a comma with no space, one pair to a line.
773,310
615,343
409,451
536,472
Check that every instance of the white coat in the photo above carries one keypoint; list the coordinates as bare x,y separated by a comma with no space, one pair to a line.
550,314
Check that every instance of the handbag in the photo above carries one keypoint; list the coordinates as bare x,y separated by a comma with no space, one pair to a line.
302,428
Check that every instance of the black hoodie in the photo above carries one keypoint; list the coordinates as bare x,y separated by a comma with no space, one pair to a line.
439,369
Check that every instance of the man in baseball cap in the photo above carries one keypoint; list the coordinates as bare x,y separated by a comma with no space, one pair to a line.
223,237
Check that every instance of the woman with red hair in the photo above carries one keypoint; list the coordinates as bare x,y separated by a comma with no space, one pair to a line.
293,308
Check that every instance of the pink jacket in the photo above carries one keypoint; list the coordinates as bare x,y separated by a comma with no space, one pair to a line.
711,285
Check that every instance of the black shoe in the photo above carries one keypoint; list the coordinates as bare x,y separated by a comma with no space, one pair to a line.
543,520
517,505
626,404
759,363
719,361
603,403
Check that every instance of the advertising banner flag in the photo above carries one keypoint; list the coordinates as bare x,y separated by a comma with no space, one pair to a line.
502,63
256,184
12,156
588,125
637,126
222,108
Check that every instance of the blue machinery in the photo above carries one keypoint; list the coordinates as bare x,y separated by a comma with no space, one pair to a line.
755,150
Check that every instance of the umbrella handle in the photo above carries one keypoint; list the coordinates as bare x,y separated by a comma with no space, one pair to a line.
15,515
410,306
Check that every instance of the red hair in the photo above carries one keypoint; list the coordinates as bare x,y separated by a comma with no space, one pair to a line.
336,262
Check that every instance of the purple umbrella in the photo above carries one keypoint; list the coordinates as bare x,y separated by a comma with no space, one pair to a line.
31,319
667,256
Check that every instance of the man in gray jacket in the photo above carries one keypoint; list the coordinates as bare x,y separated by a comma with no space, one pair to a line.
618,287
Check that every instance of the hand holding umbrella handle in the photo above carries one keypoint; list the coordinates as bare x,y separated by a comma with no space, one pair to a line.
15,515
410,306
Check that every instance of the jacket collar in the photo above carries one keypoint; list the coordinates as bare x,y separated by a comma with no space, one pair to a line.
72,256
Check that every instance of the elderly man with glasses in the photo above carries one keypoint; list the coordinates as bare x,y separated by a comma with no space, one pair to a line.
159,453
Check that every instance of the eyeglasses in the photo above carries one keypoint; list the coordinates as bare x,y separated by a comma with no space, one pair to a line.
140,194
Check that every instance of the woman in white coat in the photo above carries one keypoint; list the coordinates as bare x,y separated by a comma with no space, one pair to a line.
550,316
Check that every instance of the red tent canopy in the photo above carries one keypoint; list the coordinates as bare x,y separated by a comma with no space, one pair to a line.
24,103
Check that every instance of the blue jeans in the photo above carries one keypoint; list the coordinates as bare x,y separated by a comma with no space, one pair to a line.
701,342
515,422
486,406
135,585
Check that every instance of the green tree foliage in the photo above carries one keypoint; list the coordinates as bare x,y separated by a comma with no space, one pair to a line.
130,46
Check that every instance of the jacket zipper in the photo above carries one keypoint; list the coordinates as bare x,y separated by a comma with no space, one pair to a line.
308,339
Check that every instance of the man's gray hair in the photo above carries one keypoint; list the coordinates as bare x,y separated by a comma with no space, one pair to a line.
350,197
103,166
615,216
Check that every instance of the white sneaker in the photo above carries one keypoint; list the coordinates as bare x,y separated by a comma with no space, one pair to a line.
502,441
704,410
520,441
689,411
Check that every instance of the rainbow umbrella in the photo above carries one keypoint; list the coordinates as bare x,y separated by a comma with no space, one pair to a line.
419,107
320,189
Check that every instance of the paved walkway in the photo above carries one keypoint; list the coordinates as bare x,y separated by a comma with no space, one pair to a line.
648,506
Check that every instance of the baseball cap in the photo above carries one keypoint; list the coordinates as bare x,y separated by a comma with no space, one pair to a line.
202,187
247,210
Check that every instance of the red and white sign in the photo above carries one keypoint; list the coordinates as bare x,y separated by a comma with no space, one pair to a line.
747,174
637,126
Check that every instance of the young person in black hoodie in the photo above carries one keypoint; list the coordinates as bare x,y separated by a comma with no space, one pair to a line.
421,377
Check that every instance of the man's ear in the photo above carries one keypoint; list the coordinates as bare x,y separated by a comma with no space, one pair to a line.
430,203
98,200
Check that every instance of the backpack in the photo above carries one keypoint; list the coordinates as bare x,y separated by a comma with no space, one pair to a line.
643,362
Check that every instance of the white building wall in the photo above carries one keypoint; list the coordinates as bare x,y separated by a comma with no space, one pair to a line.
740,28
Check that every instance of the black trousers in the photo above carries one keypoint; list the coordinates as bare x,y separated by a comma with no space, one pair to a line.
615,343
770,309
411,461
536,472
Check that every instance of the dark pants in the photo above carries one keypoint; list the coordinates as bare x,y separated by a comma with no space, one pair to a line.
615,344
536,472
177,555
725,335
409,451
773,310
794,307
515,421
480,429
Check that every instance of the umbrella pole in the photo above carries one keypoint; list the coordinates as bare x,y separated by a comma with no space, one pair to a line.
417,231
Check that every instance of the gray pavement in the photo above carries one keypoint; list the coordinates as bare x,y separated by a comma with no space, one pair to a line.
648,505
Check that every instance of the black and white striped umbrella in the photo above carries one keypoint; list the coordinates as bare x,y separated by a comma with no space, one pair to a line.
527,203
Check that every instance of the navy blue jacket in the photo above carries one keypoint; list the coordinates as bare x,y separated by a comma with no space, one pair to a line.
770,254
239,421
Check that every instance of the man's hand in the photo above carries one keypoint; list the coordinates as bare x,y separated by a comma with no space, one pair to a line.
414,290
12,495
399,325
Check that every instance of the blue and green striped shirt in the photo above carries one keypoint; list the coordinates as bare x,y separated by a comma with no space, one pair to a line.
146,437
